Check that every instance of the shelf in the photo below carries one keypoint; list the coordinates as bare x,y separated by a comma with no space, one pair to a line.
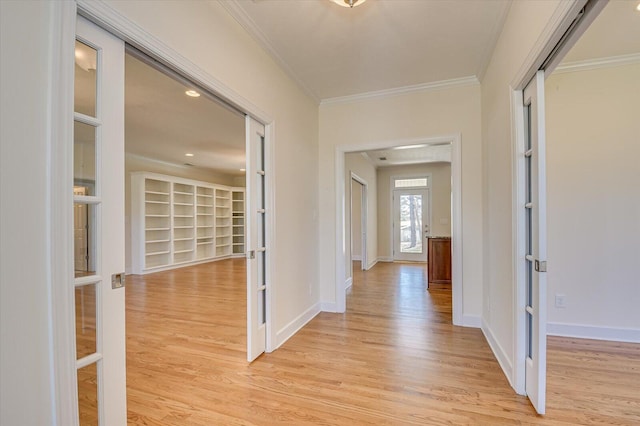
182,239
182,215
157,229
156,192
183,227
238,244
205,243
205,226
205,195
156,253
223,236
183,204
157,241
237,235
156,202
183,193
204,214
156,215
222,245
183,251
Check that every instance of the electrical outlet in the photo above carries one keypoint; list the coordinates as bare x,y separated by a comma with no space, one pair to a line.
561,301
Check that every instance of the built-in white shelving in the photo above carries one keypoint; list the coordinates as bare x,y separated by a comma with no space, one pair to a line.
176,222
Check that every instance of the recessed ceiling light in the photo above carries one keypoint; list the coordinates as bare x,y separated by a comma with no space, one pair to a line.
192,93
348,3
638,7
188,154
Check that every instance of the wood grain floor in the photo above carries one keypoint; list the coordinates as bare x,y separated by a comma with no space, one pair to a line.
393,359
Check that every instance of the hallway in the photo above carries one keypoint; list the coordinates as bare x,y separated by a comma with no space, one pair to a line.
393,359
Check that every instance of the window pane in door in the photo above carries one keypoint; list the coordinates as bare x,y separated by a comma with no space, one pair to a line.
84,158
84,238
85,79
88,395
411,183
86,336
411,223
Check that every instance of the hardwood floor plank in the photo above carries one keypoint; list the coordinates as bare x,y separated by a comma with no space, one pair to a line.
393,358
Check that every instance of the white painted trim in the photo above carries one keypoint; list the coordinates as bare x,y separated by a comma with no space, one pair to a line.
474,321
356,257
385,259
348,283
628,335
456,214
59,240
594,64
364,216
557,25
416,88
237,12
371,264
286,332
329,307
518,239
498,351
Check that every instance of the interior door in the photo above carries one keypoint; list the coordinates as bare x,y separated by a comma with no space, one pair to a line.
410,224
536,244
98,162
256,231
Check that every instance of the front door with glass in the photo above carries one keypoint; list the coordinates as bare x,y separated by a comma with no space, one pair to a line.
410,224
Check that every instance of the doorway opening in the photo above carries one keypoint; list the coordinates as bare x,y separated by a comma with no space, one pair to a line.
358,221
401,171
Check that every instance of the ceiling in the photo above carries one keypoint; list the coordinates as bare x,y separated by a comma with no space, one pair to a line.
334,51
413,154
163,123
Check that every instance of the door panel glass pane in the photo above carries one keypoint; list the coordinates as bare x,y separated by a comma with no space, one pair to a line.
86,336
84,157
85,79
411,223
411,183
88,395
84,239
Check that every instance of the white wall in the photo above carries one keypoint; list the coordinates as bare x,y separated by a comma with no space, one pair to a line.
217,43
356,163
411,115
26,367
525,23
440,193
593,146
134,163
205,34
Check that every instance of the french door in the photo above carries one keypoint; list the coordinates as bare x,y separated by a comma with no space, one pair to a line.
98,187
256,231
410,224
535,254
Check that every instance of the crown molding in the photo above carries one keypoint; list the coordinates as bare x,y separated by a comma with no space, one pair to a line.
417,88
237,12
594,64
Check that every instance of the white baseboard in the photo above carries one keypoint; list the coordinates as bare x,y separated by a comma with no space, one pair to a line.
356,257
372,264
471,321
286,332
348,283
498,352
385,259
630,335
329,307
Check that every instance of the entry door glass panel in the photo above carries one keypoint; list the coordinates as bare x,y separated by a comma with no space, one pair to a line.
411,223
86,79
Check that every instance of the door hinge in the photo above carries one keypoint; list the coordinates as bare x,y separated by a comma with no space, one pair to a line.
541,265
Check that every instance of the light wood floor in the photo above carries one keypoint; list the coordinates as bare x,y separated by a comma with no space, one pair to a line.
393,359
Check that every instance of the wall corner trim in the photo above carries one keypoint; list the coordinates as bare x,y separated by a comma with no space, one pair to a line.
286,332
500,354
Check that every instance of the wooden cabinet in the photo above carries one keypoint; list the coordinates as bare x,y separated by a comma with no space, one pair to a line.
176,222
439,262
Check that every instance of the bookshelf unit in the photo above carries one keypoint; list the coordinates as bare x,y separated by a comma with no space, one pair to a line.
177,222
237,221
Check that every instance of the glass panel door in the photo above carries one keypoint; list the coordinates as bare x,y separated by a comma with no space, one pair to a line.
410,224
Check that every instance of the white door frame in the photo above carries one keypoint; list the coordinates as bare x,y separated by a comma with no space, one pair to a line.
456,213
553,33
364,207
391,216
61,198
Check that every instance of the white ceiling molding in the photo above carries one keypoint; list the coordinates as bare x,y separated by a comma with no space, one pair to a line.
234,9
424,87
594,64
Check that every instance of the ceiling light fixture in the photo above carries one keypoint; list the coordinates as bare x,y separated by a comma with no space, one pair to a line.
243,170
188,154
638,7
192,93
348,3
